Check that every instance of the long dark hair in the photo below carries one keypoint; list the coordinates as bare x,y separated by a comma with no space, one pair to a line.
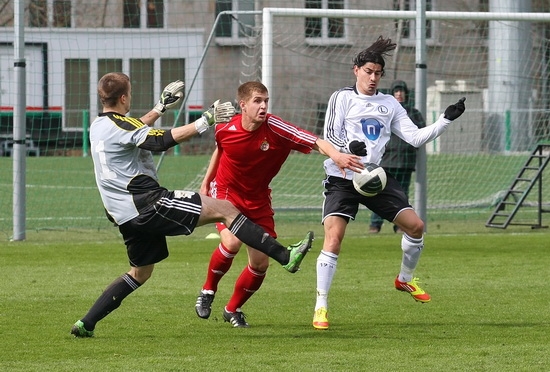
375,53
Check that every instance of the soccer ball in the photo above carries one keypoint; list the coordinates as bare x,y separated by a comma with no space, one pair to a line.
370,181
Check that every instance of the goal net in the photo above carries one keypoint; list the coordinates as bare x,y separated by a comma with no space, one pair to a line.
501,66
499,61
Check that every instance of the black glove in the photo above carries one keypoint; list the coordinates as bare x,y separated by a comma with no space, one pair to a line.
358,148
454,111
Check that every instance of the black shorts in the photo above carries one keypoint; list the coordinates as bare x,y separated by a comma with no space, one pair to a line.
174,213
341,199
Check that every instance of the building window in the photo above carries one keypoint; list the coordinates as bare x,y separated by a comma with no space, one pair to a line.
172,69
483,26
62,13
155,14
143,14
38,13
233,27
325,30
143,84
131,14
104,66
143,89
77,92
50,13
407,27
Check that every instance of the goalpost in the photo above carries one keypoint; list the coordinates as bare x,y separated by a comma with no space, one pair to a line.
499,61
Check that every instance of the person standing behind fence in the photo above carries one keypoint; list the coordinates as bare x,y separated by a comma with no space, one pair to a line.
400,157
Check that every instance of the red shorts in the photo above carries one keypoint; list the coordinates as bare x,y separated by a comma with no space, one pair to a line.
258,211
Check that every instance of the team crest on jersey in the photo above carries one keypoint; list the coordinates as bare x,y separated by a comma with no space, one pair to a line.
371,128
264,145
383,109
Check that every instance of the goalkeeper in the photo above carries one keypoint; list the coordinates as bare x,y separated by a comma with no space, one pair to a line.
144,211
251,148
360,120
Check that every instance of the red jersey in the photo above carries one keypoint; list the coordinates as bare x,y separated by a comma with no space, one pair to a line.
249,160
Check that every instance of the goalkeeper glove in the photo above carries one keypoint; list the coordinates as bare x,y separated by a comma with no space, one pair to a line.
454,111
358,148
216,113
170,97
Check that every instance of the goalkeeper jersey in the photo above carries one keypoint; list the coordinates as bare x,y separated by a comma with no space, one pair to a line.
372,119
125,172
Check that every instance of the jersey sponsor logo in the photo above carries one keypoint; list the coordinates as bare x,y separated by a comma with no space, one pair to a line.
371,128
264,146
182,194
232,128
156,132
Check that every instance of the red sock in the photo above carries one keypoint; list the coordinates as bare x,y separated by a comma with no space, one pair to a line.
220,263
248,282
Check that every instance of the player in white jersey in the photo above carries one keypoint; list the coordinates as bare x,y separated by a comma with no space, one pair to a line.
146,212
360,120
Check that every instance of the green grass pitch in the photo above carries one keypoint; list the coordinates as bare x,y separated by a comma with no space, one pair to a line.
489,310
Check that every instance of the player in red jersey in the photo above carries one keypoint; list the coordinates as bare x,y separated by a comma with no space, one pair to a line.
251,148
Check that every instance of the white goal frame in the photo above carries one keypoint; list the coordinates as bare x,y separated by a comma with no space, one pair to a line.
420,14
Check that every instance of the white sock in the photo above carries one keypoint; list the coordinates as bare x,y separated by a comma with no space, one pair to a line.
326,267
412,248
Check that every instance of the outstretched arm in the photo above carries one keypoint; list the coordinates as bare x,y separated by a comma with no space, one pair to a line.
407,131
216,113
343,161
162,140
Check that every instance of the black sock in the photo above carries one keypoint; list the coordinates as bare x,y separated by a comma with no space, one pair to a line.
109,300
256,237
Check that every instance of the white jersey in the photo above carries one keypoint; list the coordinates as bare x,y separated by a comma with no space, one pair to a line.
124,172
371,119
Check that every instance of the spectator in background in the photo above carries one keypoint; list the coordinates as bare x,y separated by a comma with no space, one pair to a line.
400,157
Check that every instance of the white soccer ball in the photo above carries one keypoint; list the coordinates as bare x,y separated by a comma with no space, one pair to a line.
370,181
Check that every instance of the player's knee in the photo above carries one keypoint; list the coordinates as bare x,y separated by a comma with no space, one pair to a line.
260,266
417,230
228,210
218,210
142,274
332,244
231,243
